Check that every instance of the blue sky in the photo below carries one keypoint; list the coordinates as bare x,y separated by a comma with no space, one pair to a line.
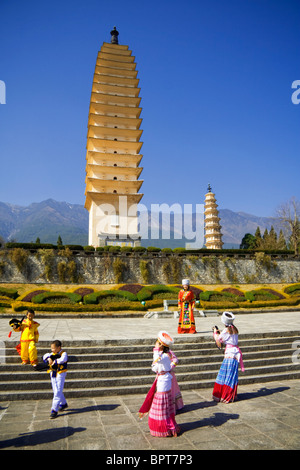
215,80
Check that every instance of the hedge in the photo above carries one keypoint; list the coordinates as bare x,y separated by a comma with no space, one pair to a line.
95,297
263,294
29,295
294,289
43,297
137,306
292,302
220,296
5,301
112,306
147,292
11,293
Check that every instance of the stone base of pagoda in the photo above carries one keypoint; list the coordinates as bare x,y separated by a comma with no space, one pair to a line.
118,240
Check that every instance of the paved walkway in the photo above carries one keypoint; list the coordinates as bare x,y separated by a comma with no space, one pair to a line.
93,329
266,416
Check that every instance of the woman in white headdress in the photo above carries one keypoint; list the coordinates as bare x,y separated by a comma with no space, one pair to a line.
225,388
159,401
186,303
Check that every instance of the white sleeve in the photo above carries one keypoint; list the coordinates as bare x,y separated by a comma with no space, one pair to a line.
62,359
46,357
224,336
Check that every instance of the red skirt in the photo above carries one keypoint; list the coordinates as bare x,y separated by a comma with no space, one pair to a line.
162,416
186,322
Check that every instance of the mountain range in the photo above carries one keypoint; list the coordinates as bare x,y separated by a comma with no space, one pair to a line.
48,219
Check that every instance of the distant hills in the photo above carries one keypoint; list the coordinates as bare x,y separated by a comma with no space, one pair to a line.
49,219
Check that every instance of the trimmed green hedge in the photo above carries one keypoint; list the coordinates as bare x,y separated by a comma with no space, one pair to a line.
96,297
263,294
147,292
294,289
46,296
217,296
11,293
137,298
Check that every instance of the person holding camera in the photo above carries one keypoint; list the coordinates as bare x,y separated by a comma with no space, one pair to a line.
225,388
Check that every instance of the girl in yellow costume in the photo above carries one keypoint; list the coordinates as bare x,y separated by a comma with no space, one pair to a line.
29,338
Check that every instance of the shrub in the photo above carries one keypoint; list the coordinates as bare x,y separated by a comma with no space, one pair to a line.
171,269
138,249
179,250
2,267
114,249
145,270
48,258
28,297
119,295
19,256
126,249
5,301
152,292
56,297
74,247
118,269
61,270
7,292
216,296
262,294
30,246
293,289
144,294
72,271
153,249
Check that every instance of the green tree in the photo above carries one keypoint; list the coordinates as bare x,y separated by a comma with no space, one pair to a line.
248,242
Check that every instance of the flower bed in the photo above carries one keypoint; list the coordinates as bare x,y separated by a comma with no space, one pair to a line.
136,297
57,298
263,294
294,289
221,296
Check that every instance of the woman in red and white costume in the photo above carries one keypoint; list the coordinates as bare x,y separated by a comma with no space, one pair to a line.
159,400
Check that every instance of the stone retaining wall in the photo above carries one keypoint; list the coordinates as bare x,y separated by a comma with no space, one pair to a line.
43,267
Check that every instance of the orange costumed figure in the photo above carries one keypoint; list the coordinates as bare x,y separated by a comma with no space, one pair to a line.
29,337
186,303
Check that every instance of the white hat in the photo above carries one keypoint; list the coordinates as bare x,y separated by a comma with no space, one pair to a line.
185,282
227,318
165,338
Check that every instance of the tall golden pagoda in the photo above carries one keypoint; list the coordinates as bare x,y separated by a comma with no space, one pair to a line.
113,148
212,225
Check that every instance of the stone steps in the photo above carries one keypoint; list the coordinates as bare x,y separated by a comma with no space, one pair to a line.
114,367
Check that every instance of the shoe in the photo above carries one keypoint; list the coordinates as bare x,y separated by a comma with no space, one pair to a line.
63,407
53,414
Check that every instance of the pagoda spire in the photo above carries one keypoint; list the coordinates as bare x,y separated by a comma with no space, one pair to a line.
114,36
212,225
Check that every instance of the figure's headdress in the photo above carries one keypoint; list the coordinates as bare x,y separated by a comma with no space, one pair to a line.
165,338
227,318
